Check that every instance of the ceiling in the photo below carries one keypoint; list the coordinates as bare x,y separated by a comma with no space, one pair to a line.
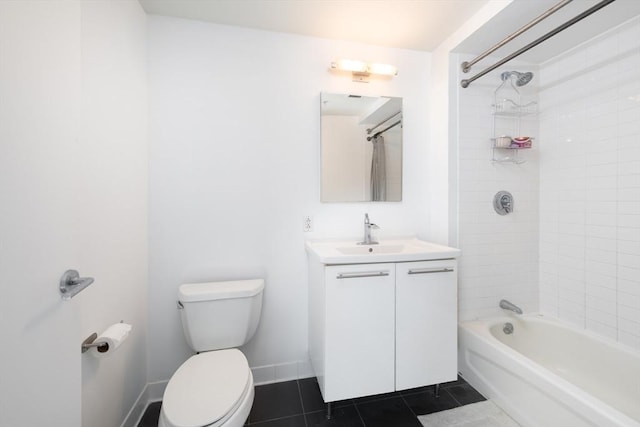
407,24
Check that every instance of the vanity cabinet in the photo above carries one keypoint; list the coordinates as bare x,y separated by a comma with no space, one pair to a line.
426,323
379,327
359,330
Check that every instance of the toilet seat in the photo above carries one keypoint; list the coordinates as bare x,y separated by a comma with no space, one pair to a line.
207,390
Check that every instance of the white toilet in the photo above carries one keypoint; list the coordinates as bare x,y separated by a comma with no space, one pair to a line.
214,387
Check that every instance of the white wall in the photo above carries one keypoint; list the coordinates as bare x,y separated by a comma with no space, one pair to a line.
115,215
590,185
500,253
73,184
235,146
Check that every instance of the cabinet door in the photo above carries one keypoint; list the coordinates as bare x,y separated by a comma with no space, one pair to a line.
359,334
426,323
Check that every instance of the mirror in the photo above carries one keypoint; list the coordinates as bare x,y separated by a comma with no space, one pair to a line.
361,140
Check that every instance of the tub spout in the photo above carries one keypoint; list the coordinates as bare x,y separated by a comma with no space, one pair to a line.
510,306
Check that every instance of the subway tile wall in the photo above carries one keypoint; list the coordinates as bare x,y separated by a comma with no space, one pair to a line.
589,211
571,249
500,253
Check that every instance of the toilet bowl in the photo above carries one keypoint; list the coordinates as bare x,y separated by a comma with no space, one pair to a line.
210,389
214,388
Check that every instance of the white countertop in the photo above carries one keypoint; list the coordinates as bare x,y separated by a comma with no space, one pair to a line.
387,250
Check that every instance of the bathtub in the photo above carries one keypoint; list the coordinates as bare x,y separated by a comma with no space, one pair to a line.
547,374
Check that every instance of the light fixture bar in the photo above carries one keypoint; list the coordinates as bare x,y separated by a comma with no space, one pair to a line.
361,70
383,69
350,65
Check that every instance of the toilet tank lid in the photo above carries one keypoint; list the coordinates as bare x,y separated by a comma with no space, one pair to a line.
193,292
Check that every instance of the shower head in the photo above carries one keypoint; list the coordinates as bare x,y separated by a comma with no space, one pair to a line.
521,78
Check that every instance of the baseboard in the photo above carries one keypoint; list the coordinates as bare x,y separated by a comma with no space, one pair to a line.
268,374
156,390
281,372
137,410
152,392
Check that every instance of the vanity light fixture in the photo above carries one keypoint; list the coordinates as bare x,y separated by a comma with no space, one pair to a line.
361,70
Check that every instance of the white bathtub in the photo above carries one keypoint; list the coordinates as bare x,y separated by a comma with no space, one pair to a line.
546,374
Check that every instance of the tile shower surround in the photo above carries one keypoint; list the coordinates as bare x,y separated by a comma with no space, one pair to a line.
571,249
590,185
500,253
299,403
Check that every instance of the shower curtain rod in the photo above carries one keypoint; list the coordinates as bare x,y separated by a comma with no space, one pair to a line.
465,83
466,66
369,138
382,122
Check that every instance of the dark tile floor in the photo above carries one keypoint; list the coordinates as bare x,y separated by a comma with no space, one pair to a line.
299,404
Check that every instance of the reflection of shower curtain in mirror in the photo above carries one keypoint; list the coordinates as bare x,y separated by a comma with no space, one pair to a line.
378,171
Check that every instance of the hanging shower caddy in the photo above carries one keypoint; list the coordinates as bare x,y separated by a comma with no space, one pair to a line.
508,113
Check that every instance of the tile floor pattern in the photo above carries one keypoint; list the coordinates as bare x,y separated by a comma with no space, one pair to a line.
298,403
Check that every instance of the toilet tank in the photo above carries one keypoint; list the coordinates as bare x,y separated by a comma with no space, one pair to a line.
217,315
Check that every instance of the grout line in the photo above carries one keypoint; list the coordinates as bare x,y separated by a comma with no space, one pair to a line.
304,417
284,416
407,404
275,419
452,396
355,405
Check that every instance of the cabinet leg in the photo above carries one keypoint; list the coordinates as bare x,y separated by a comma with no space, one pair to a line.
437,390
328,410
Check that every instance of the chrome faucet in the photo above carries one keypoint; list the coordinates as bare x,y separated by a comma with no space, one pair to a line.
510,306
368,225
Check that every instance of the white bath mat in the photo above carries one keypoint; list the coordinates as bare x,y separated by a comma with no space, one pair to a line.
480,414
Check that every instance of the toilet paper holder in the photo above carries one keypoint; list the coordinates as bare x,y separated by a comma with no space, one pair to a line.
89,342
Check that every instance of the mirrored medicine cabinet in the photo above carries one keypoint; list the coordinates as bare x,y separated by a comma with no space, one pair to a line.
361,148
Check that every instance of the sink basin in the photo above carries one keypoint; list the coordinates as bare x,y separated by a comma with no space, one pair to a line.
370,249
390,250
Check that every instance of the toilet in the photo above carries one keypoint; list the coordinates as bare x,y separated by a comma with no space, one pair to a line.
214,387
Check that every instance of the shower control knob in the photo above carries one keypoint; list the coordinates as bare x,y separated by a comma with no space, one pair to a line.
503,202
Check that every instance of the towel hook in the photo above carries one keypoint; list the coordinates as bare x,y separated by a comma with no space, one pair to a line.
71,283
